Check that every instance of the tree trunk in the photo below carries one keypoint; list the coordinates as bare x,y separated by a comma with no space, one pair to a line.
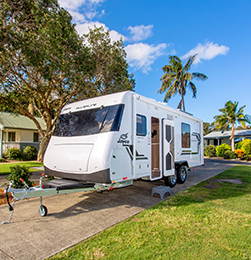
232,136
42,148
232,143
183,101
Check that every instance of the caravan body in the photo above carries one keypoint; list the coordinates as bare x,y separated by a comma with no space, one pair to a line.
123,136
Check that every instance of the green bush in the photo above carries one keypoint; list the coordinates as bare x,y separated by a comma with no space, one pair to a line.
221,149
30,152
246,146
2,160
13,154
229,154
210,151
238,145
17,172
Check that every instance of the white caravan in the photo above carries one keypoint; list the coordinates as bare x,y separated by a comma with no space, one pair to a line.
124,136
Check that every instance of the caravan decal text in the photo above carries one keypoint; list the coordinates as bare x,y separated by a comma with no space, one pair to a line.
123,139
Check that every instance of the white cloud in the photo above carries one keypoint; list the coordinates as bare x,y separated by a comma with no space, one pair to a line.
75,4
81,10
207,51
141,55
72,4
84,29
140,32
77,17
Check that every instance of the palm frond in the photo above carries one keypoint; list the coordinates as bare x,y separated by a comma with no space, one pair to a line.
189,62
188,76
167,69
193,88
199,76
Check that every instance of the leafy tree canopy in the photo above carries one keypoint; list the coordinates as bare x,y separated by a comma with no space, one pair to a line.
110,72
207,128
44,63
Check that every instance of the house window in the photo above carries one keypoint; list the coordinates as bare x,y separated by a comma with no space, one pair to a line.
11,136
141,125
35,137
185,135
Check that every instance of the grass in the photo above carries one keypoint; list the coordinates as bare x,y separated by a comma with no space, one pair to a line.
211,220
5,167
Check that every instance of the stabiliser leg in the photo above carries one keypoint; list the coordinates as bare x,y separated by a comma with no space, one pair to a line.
11,207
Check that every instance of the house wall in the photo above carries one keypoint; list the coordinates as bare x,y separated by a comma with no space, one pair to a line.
226,141
26,136
23,138
21,135
222,140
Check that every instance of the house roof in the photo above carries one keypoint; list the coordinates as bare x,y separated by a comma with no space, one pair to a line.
13,121
219,135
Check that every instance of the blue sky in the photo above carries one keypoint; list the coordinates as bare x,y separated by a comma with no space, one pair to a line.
219,31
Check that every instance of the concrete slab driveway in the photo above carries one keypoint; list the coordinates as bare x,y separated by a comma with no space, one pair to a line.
75,217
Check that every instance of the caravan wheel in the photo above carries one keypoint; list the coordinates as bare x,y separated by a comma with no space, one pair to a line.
171,180
182,174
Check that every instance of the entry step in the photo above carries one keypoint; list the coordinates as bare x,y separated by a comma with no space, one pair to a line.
161,190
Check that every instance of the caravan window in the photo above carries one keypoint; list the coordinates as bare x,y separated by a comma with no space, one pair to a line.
91,121
141,125
185,135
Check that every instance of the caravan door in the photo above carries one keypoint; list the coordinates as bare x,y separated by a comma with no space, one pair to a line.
168,166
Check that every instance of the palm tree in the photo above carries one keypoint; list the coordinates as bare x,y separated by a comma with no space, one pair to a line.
176,78
230,116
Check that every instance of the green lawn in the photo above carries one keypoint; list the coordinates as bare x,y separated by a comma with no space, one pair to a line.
5,167
211,220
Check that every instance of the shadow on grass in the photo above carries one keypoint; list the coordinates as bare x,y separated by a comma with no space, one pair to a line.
232,183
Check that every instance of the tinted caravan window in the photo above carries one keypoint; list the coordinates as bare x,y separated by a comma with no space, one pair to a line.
185,135
141,125
88,122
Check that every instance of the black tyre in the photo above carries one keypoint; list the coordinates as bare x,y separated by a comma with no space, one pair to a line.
171,180
181,174
43,211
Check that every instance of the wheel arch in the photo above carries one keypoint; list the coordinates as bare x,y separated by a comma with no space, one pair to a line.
181,163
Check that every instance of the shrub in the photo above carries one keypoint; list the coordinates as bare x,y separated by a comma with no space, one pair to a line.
30,152
239,152
17,172
246,146
13,154
229,154
238,145
2,160
246,158
221,149
210,151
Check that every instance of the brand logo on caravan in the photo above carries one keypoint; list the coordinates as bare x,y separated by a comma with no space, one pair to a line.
123,139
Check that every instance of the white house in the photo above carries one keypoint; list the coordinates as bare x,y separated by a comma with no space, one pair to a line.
18,131
217,138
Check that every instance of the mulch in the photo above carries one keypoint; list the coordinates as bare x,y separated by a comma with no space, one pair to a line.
3,199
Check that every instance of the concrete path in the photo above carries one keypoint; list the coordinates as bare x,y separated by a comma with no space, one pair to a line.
75,217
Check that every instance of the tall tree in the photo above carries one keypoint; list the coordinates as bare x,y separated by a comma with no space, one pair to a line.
44,63
110,72
177,78
207,128
229,117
